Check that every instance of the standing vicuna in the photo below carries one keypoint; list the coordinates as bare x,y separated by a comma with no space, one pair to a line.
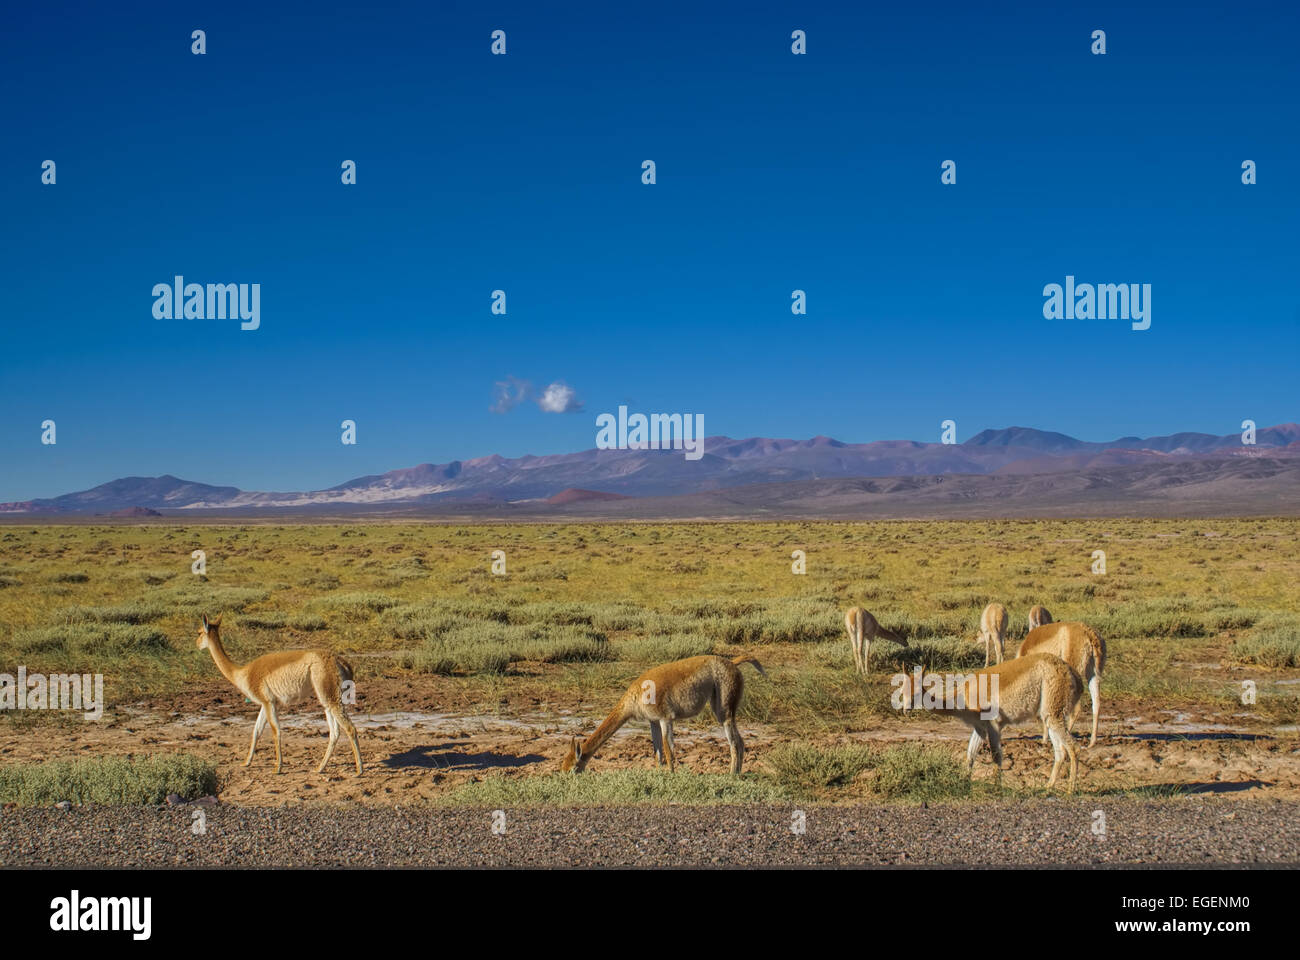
1038,685
1082,648
993,627
285,678
863,628
674,691
1038,616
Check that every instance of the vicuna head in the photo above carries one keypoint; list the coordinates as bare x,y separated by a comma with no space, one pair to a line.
209,629
574,759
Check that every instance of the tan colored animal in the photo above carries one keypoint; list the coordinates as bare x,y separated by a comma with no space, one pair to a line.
993,628
674,691
863,628
1038,616
1082,648
1038,685
285,678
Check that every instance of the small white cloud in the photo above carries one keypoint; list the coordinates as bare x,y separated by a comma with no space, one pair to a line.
559,397
508,394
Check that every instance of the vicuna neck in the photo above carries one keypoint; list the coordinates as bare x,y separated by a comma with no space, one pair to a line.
223,662
608,727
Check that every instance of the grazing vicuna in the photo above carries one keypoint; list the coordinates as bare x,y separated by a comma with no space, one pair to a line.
993,628
863,628
285,678
1038,685
1082,648
674,691
1038,616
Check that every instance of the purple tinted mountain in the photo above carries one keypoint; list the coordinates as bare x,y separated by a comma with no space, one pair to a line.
727,464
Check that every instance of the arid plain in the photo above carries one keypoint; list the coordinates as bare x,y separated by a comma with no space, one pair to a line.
469,683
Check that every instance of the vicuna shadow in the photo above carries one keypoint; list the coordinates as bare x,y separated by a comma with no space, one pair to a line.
1210,735
1183,789
442,758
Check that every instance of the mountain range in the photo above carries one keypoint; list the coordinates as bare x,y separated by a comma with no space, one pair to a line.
1011,470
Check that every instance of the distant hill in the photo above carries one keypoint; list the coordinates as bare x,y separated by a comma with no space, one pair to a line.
135,512
574,495
604,477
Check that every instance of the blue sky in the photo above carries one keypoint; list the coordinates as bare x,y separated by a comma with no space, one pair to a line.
523,172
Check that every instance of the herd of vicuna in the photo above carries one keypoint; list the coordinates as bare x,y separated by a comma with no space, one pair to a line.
1044,682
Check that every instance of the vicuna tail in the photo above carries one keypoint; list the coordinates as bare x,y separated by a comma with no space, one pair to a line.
746,658
1076,687
854,623
1098,647
345,668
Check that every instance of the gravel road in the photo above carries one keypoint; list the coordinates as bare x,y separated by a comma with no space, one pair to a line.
1197,831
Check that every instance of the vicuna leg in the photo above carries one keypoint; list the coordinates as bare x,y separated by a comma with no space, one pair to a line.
666,728
976,738
995,745
1062,743
997,646
985,638
866,652
334,736
326,685
258,727
275,729
657,741
1094,690
351,731
737,744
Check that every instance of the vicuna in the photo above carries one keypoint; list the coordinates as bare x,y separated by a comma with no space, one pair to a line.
1038,685
1038,616
863,628
285,678
993,628
674,691
1082,648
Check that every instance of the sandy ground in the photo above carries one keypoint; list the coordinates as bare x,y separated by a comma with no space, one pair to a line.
413,751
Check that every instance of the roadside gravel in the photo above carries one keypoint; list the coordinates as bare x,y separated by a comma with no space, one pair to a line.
1193,831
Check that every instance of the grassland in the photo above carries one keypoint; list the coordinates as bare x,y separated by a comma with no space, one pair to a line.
1189,608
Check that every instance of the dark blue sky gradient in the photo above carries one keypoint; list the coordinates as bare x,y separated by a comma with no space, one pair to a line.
522,172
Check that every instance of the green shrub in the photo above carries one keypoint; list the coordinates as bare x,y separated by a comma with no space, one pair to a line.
664,649
1275,642
487,647
71,577
91,638
108,780
903,771
358,606
614,788
920,771
805,769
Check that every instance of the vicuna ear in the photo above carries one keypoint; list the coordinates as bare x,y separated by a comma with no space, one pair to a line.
205,621
577,748
217,622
